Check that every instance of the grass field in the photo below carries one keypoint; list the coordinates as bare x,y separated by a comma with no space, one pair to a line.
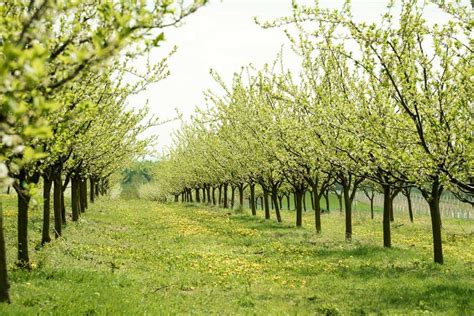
138,257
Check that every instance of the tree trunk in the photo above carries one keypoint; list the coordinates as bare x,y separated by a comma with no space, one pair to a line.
91,194
198,197
280,201
47,184
299,208
304,201
208,191
326,197
83,194
288,201
372,207
220,195
241,196
232,197
410,207
214,196
433,201
75,196
387,242
4,284
57,203
252,199
317,208
275,203
348,209
311,195
266,204
225,196
23,257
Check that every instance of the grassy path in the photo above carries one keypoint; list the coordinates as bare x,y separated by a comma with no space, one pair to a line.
137,257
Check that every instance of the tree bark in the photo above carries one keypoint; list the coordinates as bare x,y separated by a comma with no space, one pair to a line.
91,194
304,201
225,196
288,201
232,197
433,198
266,204
198,197
317,208
252,199
57,203
410,207
83,194
4,284
220,195
75,196
299,208
387,242
275,203
23,202
47,184
348,210
326,197
241,196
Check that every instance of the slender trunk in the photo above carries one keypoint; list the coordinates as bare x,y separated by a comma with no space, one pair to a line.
176,198
91,189
4,284
311,195
241,196
326,197
348,209
47,184
288,201
23,202
261,202
265,201
275,203
57,203
433,200
392,219
372,207
271,203
317,208
387,242
208,191
280,201
232,197
220,195
225,196
198,197
410,207
252,199
436,227
214,196
299,208
304,201
75,196
84,194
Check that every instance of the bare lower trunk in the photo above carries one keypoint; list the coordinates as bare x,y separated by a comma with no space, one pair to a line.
252,199
23,202
275,203
47,184
4,284
317,208
410,207
241,196
266,204
299,208
225,196
348,209
57,204
387,242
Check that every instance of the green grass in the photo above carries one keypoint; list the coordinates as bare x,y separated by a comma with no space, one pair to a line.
137,257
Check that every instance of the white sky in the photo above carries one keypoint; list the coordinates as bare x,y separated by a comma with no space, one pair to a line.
223,36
